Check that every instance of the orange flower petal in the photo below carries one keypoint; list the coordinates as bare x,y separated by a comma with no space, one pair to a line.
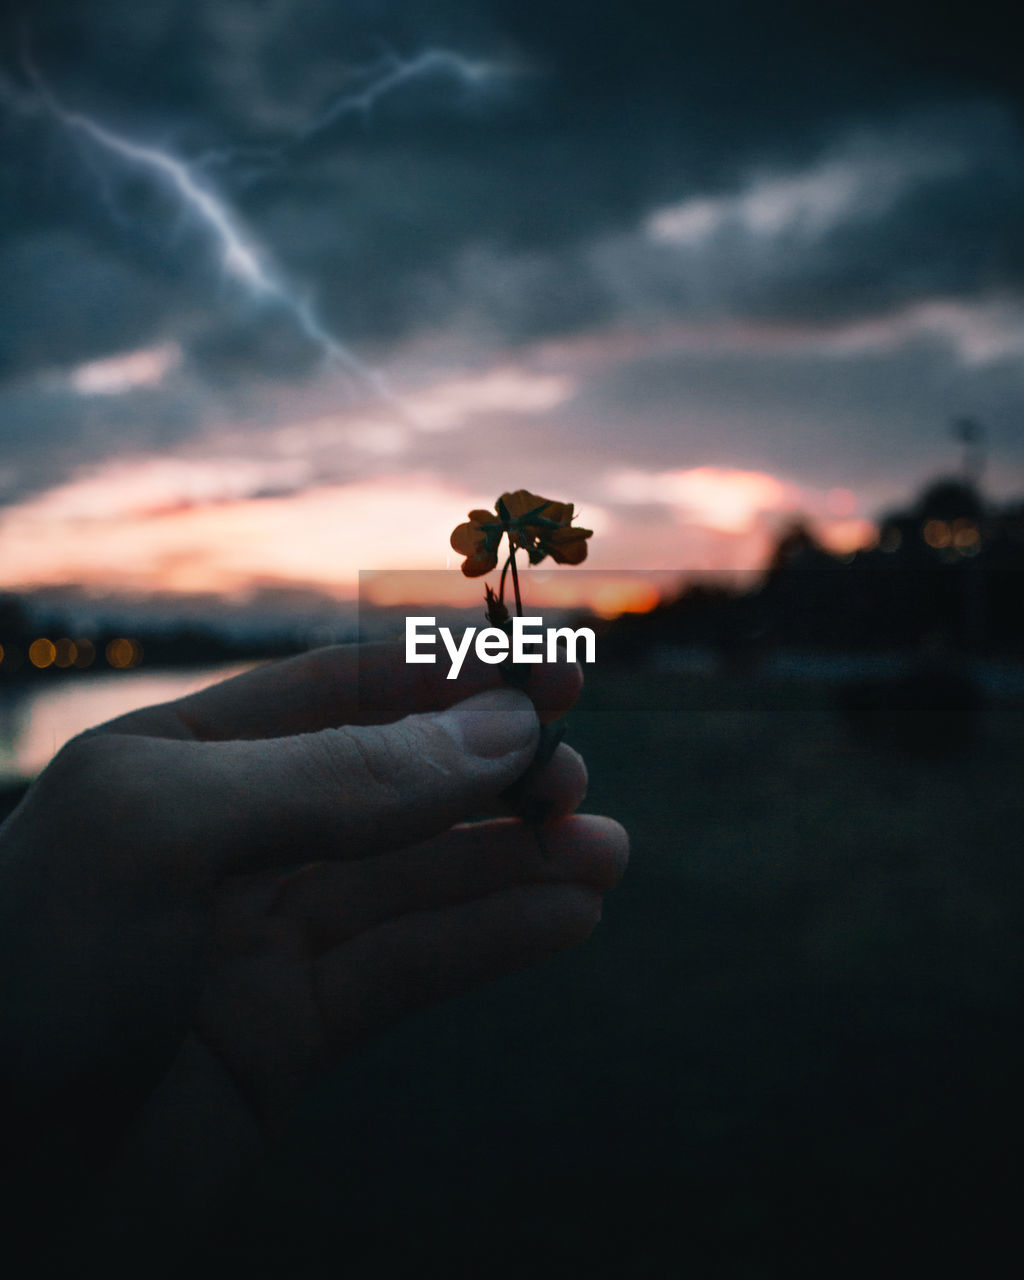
467,539
520,502
523,501
476,566
567,546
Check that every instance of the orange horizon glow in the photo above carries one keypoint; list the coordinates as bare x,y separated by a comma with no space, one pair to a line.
845,536
197,527
604,592
319,537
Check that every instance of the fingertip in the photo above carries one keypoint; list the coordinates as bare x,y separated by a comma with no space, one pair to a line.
566,913
606,839
492,724
556,790
590,847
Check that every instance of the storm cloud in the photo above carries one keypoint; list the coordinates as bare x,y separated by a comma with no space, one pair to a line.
795,230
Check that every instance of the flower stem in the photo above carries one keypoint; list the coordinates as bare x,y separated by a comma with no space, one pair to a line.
515,582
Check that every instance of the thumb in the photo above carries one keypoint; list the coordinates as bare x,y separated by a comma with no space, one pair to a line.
355,790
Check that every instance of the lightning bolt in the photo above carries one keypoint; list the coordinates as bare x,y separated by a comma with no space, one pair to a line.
383,77
393,72
241,258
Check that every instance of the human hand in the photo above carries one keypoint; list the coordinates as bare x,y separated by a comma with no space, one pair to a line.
206,902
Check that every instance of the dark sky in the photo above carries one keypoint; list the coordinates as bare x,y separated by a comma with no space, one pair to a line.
784,238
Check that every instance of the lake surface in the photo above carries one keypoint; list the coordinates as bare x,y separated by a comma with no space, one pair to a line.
36,722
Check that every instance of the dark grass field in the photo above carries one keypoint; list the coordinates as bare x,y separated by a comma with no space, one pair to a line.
793,1046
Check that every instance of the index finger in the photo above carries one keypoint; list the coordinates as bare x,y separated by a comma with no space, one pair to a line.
342,684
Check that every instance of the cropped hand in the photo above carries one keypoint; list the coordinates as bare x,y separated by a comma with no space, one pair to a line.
203,904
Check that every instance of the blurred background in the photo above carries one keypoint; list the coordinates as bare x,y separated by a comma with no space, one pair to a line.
290,287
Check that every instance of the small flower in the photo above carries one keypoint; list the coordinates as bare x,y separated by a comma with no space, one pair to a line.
545,528
479,544
539,526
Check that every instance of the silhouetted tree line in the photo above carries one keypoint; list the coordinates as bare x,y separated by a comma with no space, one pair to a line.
945,577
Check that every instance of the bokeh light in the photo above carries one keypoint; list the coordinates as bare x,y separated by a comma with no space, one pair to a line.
937,534
42,652
123,653
66,651
966,537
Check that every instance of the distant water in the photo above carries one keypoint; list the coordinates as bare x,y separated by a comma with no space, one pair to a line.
993,676
36,722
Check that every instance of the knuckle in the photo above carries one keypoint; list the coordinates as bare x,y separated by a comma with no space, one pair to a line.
124,779
98,797
376,786
404,762
88,761
357,760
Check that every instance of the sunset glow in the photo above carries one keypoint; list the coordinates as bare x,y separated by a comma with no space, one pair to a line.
320,537
229,525
719,498
843,537
607,593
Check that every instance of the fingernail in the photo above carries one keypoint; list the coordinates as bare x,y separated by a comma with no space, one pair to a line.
492,724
